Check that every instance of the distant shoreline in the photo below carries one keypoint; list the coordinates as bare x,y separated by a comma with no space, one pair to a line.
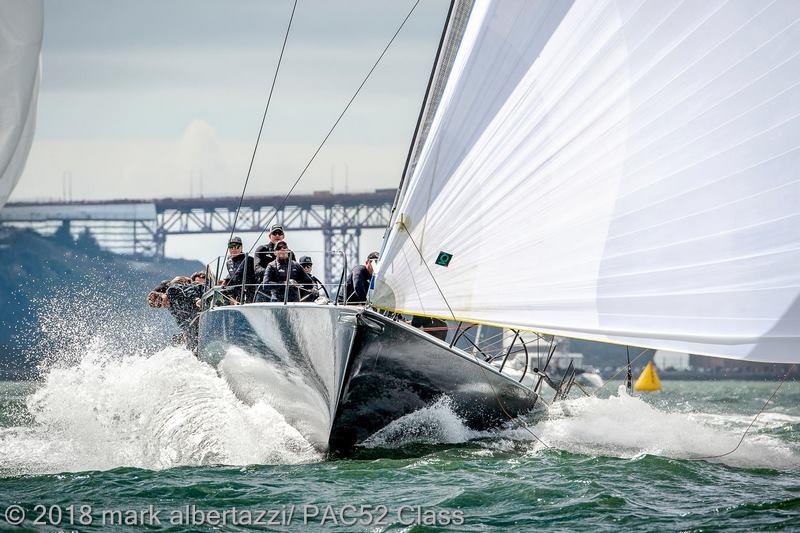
728,375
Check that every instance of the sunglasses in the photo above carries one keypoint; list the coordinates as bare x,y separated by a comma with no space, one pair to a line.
234,246
276,233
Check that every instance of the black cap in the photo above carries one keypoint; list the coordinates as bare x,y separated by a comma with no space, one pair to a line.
276,227
373,255
235,240
305,260
281,245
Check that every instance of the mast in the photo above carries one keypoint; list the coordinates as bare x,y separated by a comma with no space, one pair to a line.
457,15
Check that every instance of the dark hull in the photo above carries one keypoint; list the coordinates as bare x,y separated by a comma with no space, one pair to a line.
339,374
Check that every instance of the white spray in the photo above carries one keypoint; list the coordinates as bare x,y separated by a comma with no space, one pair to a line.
620,426
161,411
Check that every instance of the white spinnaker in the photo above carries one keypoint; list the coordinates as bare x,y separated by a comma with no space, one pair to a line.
21,23
635,181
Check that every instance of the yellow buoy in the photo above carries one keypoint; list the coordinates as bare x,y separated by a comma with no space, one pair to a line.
648,380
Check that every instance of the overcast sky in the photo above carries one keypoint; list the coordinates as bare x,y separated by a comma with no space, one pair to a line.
148,98
163,98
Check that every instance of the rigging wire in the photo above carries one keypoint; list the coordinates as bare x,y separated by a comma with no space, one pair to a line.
260,130
752,422
628,374
538,354
623,369
336,123
522,423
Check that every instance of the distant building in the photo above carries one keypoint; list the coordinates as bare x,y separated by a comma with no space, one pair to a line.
665,360
562,360
718,366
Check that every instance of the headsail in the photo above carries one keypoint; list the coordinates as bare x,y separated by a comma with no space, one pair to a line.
621,171
21,23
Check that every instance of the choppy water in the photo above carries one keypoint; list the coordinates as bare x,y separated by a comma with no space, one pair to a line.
124,433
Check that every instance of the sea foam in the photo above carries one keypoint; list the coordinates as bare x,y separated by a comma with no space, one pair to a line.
628,427
435,424
159,411
621,426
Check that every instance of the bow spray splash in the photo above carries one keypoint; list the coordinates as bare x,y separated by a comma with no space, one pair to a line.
159,411
107,398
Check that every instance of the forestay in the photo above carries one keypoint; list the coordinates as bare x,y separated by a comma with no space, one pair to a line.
21,24
621,171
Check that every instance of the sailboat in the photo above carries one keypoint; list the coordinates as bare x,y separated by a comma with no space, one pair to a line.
610,170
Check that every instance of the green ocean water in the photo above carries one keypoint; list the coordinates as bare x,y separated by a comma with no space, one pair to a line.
109,433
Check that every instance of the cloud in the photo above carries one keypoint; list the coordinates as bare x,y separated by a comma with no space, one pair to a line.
199,160
200,154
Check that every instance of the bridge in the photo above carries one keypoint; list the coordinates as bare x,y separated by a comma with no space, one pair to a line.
141,227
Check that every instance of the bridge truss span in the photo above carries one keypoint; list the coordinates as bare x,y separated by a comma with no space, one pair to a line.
141,227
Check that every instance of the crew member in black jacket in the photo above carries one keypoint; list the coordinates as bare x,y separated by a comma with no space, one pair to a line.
309,293
181,300
241,269
265,253
273,287
180,297
359,279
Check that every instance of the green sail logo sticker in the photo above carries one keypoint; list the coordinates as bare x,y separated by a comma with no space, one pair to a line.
444,259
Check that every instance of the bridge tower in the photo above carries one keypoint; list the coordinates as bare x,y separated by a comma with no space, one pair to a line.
346,240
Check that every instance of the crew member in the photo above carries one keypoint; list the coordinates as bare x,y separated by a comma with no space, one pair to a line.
274,286
180,299
309,293
162,286
241,269
358,281
264,253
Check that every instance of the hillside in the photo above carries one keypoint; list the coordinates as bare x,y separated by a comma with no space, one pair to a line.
58,294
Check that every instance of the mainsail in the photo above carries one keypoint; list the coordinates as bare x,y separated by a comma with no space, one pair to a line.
21,23
614,170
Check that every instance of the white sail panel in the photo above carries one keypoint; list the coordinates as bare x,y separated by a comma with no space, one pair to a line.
622,171
21,23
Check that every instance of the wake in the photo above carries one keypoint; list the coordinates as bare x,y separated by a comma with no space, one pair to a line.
621,426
